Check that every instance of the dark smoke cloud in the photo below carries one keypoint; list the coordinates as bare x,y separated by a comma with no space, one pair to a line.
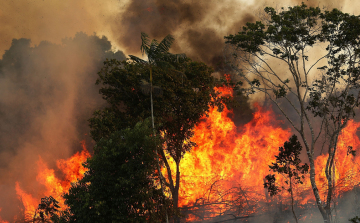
199,27
47,93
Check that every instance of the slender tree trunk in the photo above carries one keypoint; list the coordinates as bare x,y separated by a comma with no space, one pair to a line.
310,154
157,155
316,191
176,190
292,201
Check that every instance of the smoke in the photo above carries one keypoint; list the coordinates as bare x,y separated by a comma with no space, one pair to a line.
47,79
199,27
47,93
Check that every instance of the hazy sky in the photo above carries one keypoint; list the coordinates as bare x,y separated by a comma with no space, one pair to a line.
122,20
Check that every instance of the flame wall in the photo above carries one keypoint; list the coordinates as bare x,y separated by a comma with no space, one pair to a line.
226,171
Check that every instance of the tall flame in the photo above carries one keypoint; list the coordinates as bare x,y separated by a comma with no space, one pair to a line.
347,168
225,171
227,167
228,158
71,168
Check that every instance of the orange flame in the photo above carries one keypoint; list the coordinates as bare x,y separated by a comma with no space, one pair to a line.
230,160
227,156
347,167
71,168
228,163
2,221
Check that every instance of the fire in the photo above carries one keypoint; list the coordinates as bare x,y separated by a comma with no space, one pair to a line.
347,167
71,168
2,221
227,167
225,171
229,159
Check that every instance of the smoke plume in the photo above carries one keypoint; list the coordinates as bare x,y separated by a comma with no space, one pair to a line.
47,93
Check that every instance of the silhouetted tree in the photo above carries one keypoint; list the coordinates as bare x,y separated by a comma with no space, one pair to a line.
279,57
121,184
187,92
289,165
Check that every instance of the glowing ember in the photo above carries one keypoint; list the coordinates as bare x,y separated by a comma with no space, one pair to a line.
72,169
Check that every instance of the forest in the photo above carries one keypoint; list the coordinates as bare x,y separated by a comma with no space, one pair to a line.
267,131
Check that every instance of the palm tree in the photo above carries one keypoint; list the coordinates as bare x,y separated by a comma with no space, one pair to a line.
158,55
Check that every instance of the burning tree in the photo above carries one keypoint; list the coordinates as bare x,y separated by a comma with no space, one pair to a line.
185,92
279,57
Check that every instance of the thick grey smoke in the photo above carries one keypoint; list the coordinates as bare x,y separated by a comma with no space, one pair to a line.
47,93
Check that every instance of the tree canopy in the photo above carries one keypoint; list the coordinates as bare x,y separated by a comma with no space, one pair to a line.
183,93
288,164
121,184
307,60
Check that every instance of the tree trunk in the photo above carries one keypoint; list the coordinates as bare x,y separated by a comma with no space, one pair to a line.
292,201
176,190
157,156
316,191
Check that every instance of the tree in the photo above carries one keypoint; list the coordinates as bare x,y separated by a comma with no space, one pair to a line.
158,55
47,210
187,91
355,219
121,184
287,163
279,58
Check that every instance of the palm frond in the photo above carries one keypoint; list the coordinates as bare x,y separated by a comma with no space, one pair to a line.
180,57
165,44
153,53
158,53
145,46
137,59
164,64
174,58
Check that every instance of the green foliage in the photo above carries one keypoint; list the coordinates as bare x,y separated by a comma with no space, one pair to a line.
291,27
355,219
287,34
158,53
287,163
180,91
47,210
185,96
121,184
301,39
